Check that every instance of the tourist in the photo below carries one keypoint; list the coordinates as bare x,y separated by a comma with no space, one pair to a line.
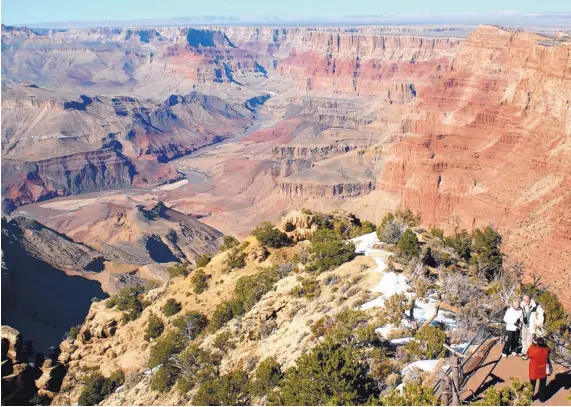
537,322
513,320
528,308
539,366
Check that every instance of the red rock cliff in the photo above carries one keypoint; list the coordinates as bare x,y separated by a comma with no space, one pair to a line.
491,142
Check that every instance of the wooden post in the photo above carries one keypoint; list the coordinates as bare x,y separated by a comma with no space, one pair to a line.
445,393
455,365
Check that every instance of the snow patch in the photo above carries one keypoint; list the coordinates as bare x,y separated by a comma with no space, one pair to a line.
363,244
391,283
425,309
424,365
401,341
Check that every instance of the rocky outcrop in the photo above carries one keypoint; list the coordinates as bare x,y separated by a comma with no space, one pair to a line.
299,224
24,383
314,153
310,190
27,182
144,236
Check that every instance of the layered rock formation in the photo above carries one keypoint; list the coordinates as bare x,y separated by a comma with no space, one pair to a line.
56,147
491,142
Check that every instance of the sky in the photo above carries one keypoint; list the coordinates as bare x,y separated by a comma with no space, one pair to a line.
21,12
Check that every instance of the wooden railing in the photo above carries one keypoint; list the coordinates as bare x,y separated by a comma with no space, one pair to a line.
449,387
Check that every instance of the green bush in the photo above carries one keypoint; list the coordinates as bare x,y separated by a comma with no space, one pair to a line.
309,288
413,394
428,343
556,318
330,374
351,327
322,326
436,232
195,366
73,332
168,345
223,313
203,260
408,217
329,251
461,242
269,236
235,259
199,281
391,229
363,229
389,217
191,324
486,252
226,390
408,244
517,393
178,270
249,289
268,376
163,379
171,307
98,387
128,299
392,226
155,327
395,307
223,342
229,242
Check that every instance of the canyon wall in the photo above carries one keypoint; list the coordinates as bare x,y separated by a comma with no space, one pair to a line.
491,142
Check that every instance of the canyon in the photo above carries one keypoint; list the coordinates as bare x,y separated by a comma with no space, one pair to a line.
132,154
229,126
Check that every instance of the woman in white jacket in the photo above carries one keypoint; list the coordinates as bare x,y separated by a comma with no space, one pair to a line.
513,319
537,320
528,308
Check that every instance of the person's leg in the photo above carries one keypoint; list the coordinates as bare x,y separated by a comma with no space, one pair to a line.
508,344
515,343
533,382
525,340
541,394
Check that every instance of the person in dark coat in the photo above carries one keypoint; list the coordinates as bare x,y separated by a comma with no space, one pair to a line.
538,354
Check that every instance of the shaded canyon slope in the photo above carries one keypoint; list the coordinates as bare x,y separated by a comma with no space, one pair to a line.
49,280
39,296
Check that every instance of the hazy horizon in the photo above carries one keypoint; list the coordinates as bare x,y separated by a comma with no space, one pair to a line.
65,14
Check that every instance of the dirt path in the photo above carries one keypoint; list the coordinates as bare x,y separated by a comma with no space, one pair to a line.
499,372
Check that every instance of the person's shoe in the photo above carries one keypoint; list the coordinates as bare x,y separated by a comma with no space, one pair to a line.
504,355
524,357
514,353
